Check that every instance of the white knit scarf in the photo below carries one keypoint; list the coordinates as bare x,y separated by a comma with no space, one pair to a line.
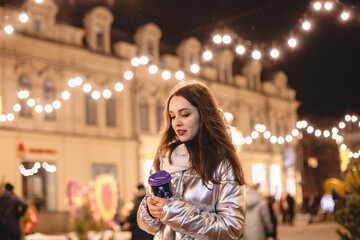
179,158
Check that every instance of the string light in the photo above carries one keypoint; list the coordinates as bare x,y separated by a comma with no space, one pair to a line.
292,42
194,68
119,86
306,25
166,75
217,39
256,55
240,49
274,53
179,75
23,17
207,55
153,69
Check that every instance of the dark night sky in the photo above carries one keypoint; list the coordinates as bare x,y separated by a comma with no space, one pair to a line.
324,69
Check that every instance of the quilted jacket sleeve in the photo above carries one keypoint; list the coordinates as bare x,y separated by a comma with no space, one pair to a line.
226,222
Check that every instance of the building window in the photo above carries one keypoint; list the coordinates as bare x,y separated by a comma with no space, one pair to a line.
100,39
90,110
98,169
144,114
225,72
150,49
110,112
24,85
38,24
40,187
49,97
159,114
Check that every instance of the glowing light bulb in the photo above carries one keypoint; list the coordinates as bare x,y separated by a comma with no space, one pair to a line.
194,68
334,130
10,117
207,55
119,86
107,93
87,88
144,60
342,125
274,53
226,39
289,138
23,17
135,61
153,69
65,95
273,139
306,25
347,118
72,83
328,6
267,134
166,75
56,104
2,117
39,108
354,118
240,49
256,55
9,29
248,140
280,140
292,42
217,39
317,133
95,95
295,132
39,1
310,129
345,15
179,75
317,6
128,75
254,134
326,133
31,102
48,108
17,107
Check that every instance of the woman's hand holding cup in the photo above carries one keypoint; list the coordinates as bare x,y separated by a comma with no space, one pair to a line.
155,206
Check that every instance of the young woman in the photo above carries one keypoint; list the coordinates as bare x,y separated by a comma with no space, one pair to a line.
208,185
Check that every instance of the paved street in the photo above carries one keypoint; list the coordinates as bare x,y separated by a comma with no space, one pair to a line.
302,230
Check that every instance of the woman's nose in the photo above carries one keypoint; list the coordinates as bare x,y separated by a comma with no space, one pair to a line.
178,121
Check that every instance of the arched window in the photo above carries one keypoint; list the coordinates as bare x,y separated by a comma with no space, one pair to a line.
49,97
144,114
159,114
110,112
90,110
24,84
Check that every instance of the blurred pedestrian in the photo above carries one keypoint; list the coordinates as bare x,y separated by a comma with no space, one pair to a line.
291,203
136,232
258,222
273,216
314,208
12,208
207,179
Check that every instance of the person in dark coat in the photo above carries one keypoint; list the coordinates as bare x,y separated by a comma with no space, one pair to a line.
12,208
271,201
291,203
137,233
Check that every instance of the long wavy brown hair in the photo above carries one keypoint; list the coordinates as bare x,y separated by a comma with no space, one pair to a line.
212,144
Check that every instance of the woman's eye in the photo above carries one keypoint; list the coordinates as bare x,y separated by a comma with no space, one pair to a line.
186,115
172,117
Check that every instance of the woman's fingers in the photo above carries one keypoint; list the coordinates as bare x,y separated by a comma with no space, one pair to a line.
154,210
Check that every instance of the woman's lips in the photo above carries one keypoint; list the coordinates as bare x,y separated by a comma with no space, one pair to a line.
181,132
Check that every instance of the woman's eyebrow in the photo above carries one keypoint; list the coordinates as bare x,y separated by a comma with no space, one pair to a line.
183,109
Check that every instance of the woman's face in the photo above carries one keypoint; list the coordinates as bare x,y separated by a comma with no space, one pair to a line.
185,118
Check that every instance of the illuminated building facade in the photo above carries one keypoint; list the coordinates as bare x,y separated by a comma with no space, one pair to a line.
115,129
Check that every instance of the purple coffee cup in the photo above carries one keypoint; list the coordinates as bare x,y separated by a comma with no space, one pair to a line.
160,183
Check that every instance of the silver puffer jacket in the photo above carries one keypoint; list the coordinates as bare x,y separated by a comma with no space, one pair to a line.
195,212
